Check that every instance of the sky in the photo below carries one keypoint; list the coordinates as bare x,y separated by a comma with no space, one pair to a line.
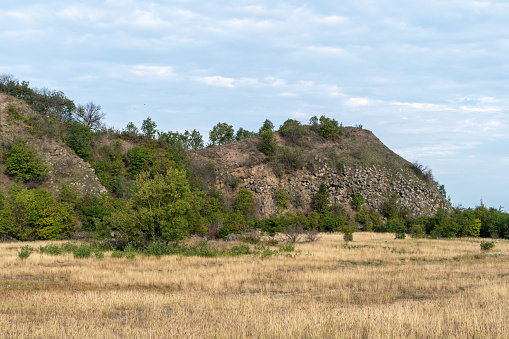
429,78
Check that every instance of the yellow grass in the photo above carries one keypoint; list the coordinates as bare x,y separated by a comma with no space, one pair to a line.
377,288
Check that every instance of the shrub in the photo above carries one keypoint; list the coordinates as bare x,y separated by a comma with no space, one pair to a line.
282,198
79,139
267,143
293,131
397,227
51,249
327,128
139,157
244,203
25,252
321,199
357,201
22,162
487,246
83,251
417,231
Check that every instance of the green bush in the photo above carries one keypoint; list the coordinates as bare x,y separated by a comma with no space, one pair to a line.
25,252
267,143
487,246
417,231
139,158
327,128
79,139
51,249
244,203
357,201
22,161
293,131
282,198
397,227
321,199
82,252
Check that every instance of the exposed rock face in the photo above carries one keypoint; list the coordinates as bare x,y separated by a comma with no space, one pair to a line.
368,168
376,185
69,169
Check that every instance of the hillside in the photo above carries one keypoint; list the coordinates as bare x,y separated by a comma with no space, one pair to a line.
17,121
355,162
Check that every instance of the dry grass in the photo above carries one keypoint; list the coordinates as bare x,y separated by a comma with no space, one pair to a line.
377,288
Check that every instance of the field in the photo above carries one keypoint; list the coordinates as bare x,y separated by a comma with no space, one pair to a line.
377,287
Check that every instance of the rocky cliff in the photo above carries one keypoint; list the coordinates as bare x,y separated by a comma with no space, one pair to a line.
356,162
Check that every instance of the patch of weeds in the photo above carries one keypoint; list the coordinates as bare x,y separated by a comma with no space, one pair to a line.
241,249
372,262
98,253
287,248
272,242
51,249
82,252
25,252
117,254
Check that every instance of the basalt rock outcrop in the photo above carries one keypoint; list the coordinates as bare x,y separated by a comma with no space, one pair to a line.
355,163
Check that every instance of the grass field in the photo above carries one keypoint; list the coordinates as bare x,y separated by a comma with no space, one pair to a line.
377,287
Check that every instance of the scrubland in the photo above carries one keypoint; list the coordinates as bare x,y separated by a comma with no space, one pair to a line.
377,287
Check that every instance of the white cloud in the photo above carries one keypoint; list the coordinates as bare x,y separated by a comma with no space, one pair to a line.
356,102
218,81
161,72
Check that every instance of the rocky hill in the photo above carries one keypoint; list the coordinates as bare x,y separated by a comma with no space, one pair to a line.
355,162
65,167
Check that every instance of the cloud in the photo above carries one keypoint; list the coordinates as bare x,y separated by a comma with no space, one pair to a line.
218,81
356,102
161,72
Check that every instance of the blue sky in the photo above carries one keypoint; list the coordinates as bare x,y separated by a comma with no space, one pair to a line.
429,78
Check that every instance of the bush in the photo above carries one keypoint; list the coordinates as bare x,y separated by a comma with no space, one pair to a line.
244,203
25,252
22,162
321,199
79,139
282,198
267,143
293,131
51,249
139,158
487,246
83,251
417,231
327,128
357,201
397,227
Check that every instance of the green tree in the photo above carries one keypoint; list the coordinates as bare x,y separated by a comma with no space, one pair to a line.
149,128
221,134
163,207
243,134
357,201
321,199
139,157
79,139
267,143
34,214
244,203
293,131
267,125
22,161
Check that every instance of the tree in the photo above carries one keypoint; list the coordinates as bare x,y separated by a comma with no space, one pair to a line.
79,139
22,161
267,125
293,131
321,199
243,134
163,207
244,203
149,128
90,115
326,127
267,143
194,140
221,134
